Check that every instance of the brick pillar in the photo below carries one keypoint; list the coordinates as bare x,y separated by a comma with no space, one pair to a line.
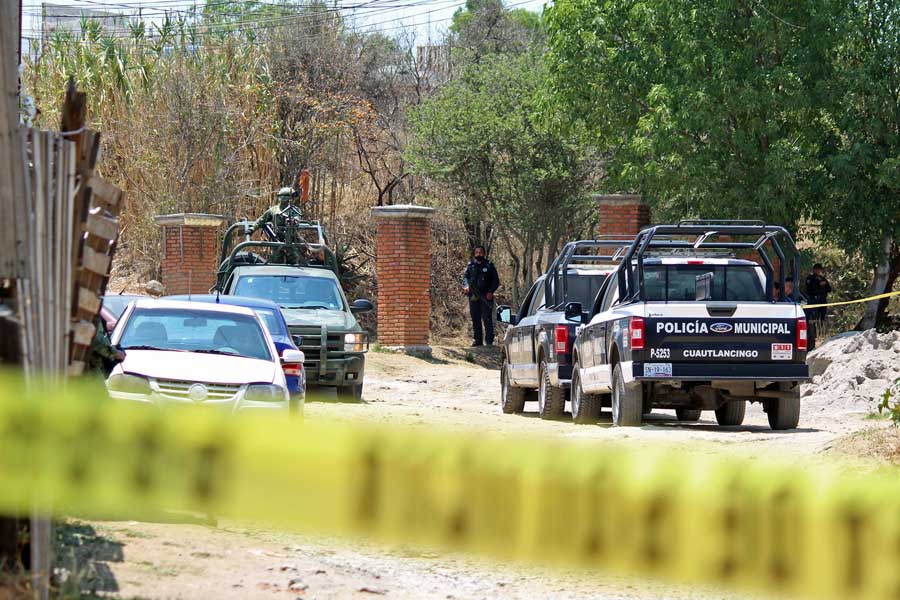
622,214
403,262
190,251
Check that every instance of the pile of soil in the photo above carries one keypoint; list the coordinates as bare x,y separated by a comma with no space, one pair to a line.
850,372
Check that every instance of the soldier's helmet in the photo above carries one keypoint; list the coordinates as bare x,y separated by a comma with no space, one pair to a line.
286,194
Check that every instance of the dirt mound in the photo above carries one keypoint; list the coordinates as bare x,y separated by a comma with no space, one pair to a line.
850,372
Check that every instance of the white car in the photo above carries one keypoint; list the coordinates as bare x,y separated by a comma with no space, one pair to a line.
189,353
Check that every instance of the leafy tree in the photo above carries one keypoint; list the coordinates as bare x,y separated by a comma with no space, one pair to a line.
860,188
708,108
743,109
517,177
486,27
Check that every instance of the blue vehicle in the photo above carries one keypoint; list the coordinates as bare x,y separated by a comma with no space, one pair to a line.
274,321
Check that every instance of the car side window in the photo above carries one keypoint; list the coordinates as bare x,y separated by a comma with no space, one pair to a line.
538,300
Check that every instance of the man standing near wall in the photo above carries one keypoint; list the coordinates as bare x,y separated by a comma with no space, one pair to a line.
480,283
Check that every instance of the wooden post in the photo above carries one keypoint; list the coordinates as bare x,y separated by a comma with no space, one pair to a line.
12,202
12,169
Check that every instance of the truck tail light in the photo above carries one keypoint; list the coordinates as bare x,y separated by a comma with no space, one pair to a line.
561,339
802,338
637,333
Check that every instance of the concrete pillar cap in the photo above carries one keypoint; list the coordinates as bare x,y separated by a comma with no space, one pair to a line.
618,199
403,210
191,220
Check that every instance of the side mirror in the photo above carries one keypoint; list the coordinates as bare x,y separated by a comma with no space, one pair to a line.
361,305
505,315
292,356
574,312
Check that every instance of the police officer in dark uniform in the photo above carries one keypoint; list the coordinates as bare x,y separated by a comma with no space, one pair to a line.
480,283
817,290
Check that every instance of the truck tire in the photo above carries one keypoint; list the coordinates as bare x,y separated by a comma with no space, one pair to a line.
350,393
551,400
731,413
784,413
688,414
585,407
512,399
627,402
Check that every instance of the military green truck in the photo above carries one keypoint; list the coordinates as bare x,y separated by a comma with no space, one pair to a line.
301,276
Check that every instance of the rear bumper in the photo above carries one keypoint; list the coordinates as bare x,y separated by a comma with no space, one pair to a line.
728,371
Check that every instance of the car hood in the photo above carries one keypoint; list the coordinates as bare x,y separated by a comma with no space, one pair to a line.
190,366
333,319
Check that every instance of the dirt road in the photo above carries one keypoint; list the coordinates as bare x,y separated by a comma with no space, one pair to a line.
233,561
450,392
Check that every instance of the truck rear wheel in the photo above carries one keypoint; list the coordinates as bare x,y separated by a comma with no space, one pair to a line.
551,400
512,399
585,407
784,413
731,413
627,402
687,414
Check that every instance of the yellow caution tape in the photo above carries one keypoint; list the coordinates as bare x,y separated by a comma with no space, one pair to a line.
869,299
746,524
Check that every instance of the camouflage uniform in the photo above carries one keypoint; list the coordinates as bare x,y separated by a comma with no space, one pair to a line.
102,356
274,215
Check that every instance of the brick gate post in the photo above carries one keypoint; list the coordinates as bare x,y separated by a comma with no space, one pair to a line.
622,214
190,251
403,264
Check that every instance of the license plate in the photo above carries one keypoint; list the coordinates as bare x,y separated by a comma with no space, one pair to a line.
657,369
782,351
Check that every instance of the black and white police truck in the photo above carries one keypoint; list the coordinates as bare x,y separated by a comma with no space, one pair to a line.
537,345
690,321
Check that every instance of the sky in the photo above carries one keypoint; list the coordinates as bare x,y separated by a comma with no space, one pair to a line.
429,18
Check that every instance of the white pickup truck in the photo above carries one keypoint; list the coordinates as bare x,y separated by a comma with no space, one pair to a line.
687,324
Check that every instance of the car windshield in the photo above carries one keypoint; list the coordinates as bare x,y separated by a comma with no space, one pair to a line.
192,330
116,304
292,291
689,283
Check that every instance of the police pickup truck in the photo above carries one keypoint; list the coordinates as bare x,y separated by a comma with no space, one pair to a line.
537,347
689,322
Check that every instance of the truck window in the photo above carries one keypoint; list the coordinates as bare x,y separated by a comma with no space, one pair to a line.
538,301
680,283
611,296
526,303
292,291
583,288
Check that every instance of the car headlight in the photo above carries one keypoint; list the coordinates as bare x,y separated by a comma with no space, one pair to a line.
356,342
264,392
128,384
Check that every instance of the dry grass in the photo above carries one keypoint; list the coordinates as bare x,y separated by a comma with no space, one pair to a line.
879,443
